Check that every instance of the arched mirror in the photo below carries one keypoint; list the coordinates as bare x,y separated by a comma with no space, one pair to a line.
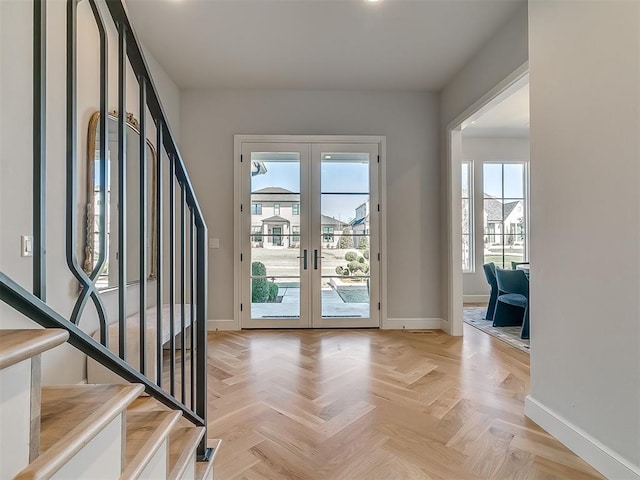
96,239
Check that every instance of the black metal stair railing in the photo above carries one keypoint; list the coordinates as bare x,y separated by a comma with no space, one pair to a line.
191,281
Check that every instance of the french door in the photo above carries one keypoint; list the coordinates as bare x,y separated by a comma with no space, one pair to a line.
309,235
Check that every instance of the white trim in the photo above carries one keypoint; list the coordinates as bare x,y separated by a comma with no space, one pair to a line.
238,140
475,298
453,149
412,324
595,453
222,325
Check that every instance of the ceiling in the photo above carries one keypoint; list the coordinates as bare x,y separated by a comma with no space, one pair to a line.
510,118
316,44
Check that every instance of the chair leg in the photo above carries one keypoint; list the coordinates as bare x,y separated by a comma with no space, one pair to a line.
524,334
508,315
491,308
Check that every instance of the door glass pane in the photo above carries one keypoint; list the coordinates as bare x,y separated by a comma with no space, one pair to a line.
275,235
344,230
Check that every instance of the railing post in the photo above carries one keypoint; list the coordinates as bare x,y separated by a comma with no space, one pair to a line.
143,224
201,321
122,190
160,252
183,323
172,267
39,148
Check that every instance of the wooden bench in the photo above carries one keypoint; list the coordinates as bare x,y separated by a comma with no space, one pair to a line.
97,373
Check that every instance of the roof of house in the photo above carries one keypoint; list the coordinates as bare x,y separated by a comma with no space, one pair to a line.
327,220
275,219
275,194
357,221
497,211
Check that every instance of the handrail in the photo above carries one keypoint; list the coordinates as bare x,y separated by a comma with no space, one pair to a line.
32,307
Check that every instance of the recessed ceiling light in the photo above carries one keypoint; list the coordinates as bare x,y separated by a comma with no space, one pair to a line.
372,1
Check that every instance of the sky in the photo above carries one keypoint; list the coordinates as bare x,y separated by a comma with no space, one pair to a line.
336,177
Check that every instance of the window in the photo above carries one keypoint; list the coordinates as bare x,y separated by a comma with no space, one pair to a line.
505,213
296,209
256,209
256,234
327,234
296,234
467,217
276,209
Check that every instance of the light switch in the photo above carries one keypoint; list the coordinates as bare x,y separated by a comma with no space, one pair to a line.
214,243
26,246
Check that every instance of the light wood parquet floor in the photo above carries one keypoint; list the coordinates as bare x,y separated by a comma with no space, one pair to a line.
376,405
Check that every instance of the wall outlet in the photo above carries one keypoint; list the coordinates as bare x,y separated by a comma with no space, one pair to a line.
26,246
214,243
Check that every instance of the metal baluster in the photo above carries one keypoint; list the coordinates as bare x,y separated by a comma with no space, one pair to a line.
159,253
192,312
143,225
122,190
39,148
183,326
172,256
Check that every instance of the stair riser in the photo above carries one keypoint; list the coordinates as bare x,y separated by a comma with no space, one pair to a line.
15,416
100,459
158,466
190,472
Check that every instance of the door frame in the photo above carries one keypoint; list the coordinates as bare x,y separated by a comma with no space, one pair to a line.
454,321
237,226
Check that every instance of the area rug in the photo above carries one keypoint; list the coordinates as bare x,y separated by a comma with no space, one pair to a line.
474,316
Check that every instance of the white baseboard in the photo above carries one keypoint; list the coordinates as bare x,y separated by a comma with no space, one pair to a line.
475,298
222,325
592,451
412,324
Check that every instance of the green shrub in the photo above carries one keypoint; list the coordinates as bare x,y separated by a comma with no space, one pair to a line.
361,260
365,254
259,286
353,266
345,242
258,269
340,270
365,268
351,256
273,291
363,243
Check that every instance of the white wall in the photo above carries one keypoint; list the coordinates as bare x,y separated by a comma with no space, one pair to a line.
479,150
410,123
585,172
65,364
494,61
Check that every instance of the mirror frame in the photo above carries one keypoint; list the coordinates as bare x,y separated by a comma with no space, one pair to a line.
89,248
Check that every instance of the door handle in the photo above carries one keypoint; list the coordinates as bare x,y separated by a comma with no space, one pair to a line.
315,259
304,259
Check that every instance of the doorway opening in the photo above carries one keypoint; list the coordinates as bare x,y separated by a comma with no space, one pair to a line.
488,204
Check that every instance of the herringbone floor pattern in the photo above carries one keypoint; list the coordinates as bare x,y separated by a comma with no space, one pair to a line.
374,404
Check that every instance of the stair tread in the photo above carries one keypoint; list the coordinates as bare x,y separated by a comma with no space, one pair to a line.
71,415
21,344
182,444
146,431
203,468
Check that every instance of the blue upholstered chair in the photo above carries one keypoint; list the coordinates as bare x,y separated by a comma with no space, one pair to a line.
512,306
490,274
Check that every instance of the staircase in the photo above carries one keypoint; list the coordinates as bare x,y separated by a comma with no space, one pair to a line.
154,425
87,431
